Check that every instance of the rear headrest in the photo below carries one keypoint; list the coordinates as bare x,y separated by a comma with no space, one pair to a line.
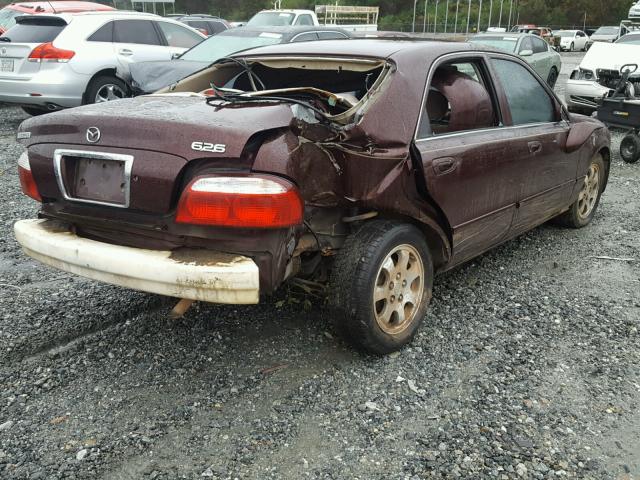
470,103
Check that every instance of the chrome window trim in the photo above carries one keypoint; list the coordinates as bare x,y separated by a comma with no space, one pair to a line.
58,154
560,123
485,56
317,32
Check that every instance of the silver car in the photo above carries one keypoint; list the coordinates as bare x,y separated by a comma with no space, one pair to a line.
533,49
50,62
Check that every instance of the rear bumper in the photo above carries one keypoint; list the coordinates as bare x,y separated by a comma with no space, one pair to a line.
193,274
58,88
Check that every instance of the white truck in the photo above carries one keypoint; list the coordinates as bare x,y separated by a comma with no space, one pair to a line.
352,18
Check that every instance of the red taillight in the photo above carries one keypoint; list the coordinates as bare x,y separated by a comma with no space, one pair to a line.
27,182
243,201
46,52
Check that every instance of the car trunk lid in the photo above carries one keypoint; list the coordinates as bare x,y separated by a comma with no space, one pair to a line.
140,162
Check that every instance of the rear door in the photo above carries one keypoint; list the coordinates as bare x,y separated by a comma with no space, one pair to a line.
27,34
542,61
466,154
138,41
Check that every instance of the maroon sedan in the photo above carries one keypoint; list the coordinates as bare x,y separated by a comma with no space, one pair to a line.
368,165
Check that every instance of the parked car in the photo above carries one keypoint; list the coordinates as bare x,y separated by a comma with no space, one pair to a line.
375,161
630,38
147,77
572,40
9,13
586,86
608,34
51,62
634,11
535,51
206,24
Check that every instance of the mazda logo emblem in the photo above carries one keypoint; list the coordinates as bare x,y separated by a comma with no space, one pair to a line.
93,135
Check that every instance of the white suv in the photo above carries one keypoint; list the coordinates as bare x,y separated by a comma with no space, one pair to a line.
49,62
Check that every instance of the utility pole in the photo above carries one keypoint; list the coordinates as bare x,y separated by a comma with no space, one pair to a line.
500,18
455,25
413,25
424,25
446,16
490,11
435,21
479,17
468,16
510,9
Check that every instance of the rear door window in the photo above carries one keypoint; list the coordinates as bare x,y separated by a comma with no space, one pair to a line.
331,35
216,27
178,36
539,45
140,32
103,34
459,99
304,20
528,101
305,37
525,44
34,32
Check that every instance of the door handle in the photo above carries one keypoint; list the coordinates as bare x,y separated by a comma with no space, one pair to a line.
442,166
126,52
535,147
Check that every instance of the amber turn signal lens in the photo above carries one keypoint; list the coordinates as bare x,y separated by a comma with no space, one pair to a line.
248,201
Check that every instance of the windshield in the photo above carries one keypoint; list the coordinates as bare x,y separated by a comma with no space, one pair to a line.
271,19
606,31
630,39
506,44
8,18
565,33
222,45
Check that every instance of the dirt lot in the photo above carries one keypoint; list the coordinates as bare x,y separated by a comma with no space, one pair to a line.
528,366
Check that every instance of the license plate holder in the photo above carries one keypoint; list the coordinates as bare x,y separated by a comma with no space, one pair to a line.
6,65
94,177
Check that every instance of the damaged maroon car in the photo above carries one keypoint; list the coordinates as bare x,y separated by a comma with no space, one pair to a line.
368,165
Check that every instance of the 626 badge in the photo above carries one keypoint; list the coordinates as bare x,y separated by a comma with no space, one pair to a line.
209,147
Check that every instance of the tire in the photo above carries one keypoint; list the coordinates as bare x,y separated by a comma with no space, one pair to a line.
553,77
581,212
105,88
370,266
630,148
34,111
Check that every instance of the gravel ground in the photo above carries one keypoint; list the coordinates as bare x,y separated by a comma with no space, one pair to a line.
528,366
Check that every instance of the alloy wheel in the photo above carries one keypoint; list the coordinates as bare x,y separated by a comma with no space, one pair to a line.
109,92
398,289
589,194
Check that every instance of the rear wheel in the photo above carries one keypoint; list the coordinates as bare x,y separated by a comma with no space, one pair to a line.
105,89
630,148
553,77
381,285
584,208
34,111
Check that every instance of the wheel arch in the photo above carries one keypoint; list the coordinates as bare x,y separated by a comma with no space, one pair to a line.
606,157
111,71
436,238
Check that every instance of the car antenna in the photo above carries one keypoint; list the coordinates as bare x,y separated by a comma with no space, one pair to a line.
51,5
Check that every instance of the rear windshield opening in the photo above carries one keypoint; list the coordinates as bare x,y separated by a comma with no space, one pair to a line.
28,32
333,86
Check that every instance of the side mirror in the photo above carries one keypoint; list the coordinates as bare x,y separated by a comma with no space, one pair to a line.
175,56
526,53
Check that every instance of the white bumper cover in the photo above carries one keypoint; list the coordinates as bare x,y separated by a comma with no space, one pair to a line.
193,274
